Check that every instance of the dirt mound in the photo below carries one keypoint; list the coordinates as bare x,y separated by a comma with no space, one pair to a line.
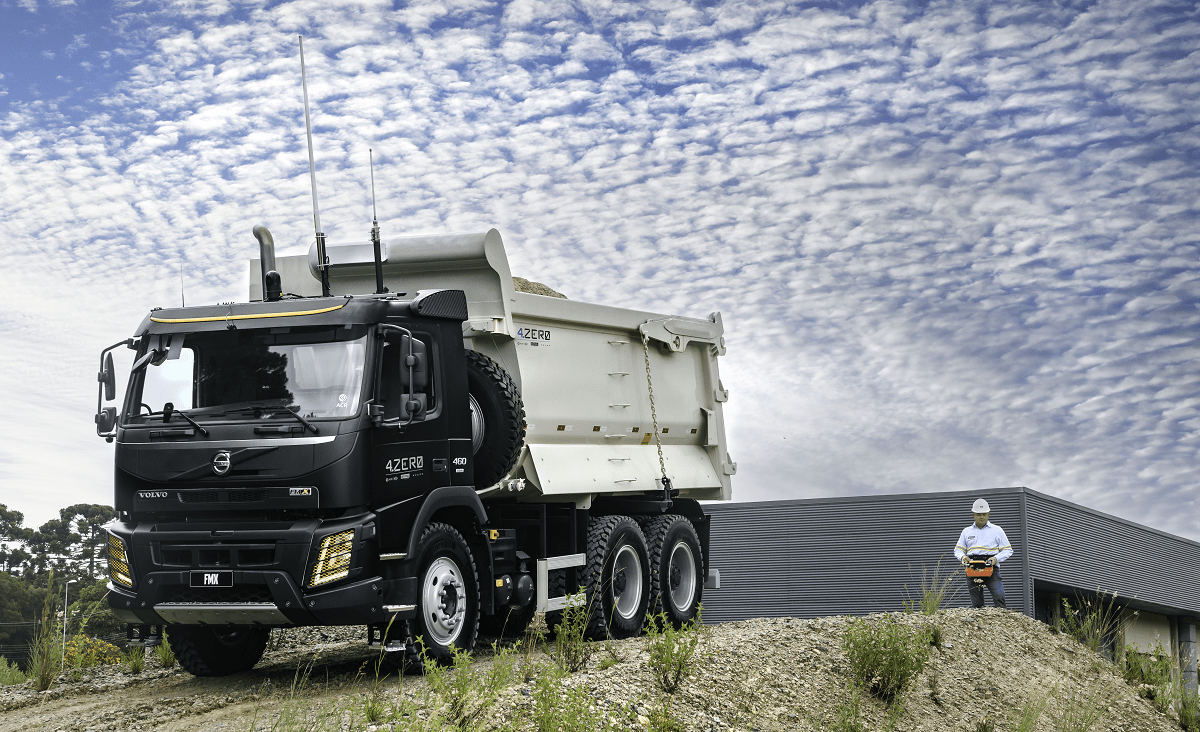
535,288
766,674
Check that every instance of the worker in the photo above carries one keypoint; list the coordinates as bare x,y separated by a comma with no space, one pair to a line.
984,542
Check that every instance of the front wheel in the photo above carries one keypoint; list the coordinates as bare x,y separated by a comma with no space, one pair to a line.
205,650
448,614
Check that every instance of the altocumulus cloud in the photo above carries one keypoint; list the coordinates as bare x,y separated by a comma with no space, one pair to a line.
955,243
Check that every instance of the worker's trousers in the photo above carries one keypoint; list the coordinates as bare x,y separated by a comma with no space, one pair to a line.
994,585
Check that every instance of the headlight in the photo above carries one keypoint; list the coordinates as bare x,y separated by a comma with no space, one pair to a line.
333,560
118,562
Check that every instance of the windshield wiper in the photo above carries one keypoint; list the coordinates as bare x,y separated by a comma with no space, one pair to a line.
167,414
303,421
266,411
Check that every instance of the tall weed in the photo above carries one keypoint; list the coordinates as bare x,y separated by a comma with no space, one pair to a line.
886,656
164,654
44,654
672,651
572,650
936,590
848,714
1093,621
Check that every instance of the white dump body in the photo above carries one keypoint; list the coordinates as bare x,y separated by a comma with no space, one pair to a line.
581,369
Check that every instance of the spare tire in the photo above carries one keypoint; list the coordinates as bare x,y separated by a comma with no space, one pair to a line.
497,419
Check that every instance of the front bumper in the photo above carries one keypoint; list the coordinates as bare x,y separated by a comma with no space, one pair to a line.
164,557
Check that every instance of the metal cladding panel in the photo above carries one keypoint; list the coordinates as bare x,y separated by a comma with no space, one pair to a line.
850,556
1075,547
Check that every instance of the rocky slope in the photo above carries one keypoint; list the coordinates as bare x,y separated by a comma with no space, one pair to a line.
767,674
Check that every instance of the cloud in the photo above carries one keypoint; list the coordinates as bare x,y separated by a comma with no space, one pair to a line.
953,243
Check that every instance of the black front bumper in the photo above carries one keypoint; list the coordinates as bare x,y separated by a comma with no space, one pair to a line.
163,558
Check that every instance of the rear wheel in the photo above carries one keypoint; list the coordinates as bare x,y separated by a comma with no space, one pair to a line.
448,610
618,586
205,650
675,567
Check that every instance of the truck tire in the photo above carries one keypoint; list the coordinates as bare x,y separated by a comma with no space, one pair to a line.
448,598
497,419
618,585
675,567
205,650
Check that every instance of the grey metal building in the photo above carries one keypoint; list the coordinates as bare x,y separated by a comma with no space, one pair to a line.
858,555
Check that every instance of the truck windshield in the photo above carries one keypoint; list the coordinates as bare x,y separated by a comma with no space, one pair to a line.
255,374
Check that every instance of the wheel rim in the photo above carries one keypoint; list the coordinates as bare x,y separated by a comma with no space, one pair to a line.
477,425
444,601
626,582
681,577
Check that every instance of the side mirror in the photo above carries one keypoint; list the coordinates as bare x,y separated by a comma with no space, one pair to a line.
414,365
106,419
108,377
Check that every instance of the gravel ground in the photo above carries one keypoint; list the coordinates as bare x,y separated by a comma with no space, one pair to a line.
765,674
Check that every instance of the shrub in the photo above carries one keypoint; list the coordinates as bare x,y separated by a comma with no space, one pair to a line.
848,714
936,590
885,657
10,673
84,652
1189,711
672,652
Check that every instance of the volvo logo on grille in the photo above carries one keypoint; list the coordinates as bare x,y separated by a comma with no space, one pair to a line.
152,494
221,462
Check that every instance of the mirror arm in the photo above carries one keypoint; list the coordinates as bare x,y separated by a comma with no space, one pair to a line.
408,361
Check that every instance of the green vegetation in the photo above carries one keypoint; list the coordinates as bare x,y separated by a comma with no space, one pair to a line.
135,659
936,589
885,656
164,654
1031,712
848,714
1092,621
672,651
1078,710
10,673
44,662
572,651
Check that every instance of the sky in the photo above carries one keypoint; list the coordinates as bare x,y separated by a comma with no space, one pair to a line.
954,244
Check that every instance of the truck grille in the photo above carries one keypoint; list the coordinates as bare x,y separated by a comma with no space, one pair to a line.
245,593
223,496
257,555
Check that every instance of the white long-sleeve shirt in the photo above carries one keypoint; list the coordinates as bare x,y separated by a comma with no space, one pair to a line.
988,542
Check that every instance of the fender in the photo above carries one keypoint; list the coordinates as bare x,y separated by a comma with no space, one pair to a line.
445,497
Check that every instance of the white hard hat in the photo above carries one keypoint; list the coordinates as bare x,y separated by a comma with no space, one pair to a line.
980,506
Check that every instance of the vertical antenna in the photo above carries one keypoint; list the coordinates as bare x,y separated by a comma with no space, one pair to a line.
322,260
182,300
379,288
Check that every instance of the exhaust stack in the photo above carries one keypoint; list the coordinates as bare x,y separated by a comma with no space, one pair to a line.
272,287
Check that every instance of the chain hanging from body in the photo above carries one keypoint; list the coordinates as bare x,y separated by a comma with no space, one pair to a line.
662,465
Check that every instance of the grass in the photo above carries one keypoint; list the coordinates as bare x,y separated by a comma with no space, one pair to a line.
1078,710
561,708
885,656
10,673
847,715
164,654
467,692
135,659
936,590
1031,712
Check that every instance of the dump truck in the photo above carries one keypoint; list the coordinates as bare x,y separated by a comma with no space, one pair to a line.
401,440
